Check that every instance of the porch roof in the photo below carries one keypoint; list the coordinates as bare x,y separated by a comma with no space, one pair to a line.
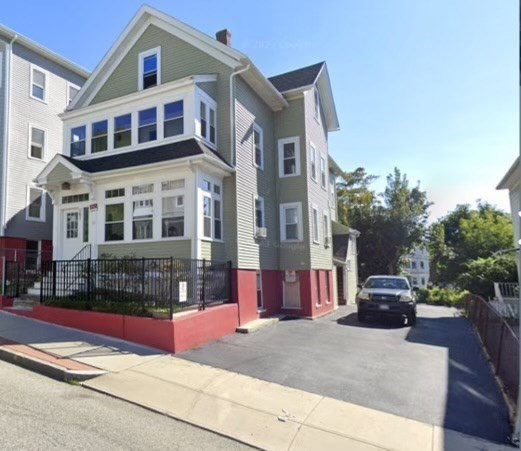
150,155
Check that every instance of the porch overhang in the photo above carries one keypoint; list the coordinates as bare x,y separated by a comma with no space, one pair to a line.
59,172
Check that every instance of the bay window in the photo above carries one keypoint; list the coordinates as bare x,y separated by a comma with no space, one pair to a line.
114,222
142,219
173,216
147,130
78,136
174,120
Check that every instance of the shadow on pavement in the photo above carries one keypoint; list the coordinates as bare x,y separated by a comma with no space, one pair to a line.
472,392
372,322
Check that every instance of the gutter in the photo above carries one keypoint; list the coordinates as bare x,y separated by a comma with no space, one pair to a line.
5,144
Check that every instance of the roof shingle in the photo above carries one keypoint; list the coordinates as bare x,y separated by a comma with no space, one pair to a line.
296,78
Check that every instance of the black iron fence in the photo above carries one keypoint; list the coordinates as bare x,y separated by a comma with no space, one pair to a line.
144,287
500,341
20,275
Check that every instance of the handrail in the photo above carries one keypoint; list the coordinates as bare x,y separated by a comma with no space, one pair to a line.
83,254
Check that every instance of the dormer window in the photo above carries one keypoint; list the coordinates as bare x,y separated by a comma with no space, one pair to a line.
150,68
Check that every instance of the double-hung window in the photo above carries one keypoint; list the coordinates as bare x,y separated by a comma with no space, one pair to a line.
147,125
258,146
315,224
142,219
78,136
207,217
38,84
212,211
313,162
289,157
37,147
323,173
115,216
122,131
150,68
35,204
71,92
174,119
172,208
291,222
326,229
99,140
207,120
259,212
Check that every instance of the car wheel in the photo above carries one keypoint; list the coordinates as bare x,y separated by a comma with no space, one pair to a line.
411,319
361,317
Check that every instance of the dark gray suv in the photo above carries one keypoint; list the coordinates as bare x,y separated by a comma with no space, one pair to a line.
386,296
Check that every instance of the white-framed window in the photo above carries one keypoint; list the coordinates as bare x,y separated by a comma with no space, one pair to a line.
413,265
258,146
208,120
150,68
99,140
173,216
415,281
38,84
258,278
122,131
217,220
326,228
316,105
142,219
207,216
115,222
422,266
313,161
72,220
212,210
258,211
78,140
423,281
147,126
35,204
72,91
173,119
37,139
289,157
323,173
315,224
291,222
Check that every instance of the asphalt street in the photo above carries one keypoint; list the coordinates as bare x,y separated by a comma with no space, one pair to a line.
39,413
435,372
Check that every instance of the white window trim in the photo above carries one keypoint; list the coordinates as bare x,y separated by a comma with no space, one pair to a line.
327,232
213,196
201,96
282,212
27,202
46,87
315,229
316,106
324,179
30,141
259,273
313,152
142,56
70,85
261,199
258,129
293,139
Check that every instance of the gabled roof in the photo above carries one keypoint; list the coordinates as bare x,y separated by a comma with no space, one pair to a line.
147,15
166,152
513,176
299,78
9,34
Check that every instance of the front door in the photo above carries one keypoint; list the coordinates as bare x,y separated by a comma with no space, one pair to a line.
72,233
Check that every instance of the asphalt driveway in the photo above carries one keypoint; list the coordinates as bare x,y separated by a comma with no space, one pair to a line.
434,372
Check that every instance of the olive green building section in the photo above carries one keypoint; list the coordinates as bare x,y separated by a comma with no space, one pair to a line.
290,122
179,59
157,249
213,251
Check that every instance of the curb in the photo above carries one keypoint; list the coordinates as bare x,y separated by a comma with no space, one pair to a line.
46,368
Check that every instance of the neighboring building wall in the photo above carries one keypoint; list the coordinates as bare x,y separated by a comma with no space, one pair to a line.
3,74
351,271
419,268
515,206
26,111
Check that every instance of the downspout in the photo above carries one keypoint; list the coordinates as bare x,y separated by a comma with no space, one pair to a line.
7,121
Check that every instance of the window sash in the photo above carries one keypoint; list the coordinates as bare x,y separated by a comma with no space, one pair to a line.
313,159
115,222
39,81
37,143
316,234
78,140
35,207
259,212
323,172
172,222
207,217
147,129
173,119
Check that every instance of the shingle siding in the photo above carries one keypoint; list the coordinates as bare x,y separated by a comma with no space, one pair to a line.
158,249
25,111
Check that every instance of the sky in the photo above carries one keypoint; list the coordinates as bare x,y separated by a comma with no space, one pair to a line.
429,87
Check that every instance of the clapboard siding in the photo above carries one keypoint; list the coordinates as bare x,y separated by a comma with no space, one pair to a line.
3,70
156,249
213,251
178,60
25,111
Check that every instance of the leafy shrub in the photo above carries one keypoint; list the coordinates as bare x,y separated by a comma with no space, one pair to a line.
443,296
422,295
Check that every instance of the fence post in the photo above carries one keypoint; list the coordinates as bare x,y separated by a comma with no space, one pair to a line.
203,306
498,359
42,269
89,306
17,292
229,290
143,284
54,278
171,287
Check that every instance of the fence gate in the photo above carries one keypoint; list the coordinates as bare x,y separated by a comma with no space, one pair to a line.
18,278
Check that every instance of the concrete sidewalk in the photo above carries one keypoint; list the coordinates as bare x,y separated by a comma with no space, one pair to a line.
259,413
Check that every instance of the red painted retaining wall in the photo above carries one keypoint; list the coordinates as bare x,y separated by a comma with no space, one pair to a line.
152,332
244,289
272,291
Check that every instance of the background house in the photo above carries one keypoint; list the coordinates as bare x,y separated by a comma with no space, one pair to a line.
417,267
35,86
177,145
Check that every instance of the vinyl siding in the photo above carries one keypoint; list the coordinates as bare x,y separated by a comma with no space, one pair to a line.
25,111
213,251
288,123
3,74
178,60
321,257
255,253
161,249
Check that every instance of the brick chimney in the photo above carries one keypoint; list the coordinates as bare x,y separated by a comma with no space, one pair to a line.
224,36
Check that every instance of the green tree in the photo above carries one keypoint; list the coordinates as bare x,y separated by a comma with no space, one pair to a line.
391,223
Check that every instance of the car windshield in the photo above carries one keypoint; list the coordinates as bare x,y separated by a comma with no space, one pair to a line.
387,282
